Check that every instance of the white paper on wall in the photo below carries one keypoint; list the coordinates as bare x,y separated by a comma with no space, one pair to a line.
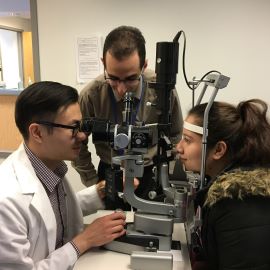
89,53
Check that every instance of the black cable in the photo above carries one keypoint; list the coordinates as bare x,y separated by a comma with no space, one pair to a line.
195,86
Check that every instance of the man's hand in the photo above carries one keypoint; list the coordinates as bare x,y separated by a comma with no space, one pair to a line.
100,186
136,182
101,231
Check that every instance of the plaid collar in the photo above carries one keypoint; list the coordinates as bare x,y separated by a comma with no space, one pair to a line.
50,179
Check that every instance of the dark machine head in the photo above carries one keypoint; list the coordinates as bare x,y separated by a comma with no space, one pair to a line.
134,138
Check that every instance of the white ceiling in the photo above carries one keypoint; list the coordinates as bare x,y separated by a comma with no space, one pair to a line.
15,8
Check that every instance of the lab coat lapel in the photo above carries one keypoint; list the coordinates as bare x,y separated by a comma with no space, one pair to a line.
30,184
42,204
74,212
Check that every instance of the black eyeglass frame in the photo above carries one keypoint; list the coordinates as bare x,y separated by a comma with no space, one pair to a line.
124,81
75,129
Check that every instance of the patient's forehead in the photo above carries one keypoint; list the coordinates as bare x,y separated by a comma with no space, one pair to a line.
193,119
190,124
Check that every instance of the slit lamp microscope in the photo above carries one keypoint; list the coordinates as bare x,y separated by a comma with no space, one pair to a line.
152,229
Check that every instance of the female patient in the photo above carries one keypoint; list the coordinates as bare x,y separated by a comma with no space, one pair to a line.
236,202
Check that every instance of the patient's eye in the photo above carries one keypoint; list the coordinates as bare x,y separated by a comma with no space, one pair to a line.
186,139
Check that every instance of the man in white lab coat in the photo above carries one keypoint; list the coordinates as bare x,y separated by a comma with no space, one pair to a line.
41,218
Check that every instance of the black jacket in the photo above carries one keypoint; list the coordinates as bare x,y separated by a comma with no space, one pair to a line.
236,221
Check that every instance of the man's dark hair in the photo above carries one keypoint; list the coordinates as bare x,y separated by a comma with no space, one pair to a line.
42,101
123,41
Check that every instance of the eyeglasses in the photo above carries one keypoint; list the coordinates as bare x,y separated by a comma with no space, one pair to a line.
129,82
75,129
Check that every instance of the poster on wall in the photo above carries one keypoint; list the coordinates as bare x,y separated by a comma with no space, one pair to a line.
89,53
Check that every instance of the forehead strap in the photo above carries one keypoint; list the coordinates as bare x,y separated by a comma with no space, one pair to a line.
193,128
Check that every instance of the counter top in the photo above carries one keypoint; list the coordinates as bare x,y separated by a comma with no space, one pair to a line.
101,259
10,92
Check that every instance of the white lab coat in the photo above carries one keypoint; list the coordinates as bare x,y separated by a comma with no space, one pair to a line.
27,220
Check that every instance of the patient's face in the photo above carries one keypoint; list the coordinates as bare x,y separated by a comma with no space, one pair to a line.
190,148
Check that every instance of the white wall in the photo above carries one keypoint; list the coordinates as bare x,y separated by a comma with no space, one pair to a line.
231,36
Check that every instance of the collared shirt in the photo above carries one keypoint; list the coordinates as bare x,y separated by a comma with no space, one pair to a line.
52,182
